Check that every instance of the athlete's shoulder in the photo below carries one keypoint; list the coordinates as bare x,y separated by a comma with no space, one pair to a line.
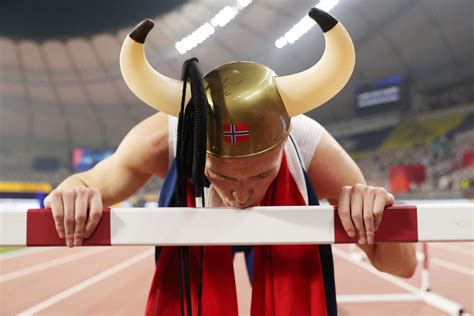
307,133
303,121
146,145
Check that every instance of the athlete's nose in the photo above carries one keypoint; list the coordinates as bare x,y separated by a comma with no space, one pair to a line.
241,196
241,193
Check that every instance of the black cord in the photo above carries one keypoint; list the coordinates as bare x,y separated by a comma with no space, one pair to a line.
190,164
200,125
180,146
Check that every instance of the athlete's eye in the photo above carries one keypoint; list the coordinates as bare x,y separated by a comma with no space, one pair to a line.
262,176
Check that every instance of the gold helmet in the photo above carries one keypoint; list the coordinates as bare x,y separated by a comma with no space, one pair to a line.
250,107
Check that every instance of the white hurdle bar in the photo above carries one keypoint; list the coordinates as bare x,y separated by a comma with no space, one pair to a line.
252,226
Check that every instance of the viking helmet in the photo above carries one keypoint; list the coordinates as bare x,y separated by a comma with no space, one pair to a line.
250,108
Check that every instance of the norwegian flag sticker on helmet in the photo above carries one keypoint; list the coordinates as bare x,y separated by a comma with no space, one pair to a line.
236,133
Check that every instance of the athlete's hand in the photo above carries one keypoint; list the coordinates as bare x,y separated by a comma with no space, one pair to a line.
360,209
76,212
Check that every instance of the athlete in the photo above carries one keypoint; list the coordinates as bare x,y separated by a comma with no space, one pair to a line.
261,151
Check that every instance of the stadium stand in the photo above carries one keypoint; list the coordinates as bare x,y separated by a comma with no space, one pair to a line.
441,145
438,141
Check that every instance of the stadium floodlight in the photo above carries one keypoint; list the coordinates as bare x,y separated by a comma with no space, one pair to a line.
203,32
224,16
195,38
244,3
304,25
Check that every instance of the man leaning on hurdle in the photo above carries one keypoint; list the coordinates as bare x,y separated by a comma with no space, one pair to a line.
259,150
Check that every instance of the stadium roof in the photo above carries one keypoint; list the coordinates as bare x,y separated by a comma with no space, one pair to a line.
60,82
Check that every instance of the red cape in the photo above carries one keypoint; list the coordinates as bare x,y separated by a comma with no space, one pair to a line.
288,280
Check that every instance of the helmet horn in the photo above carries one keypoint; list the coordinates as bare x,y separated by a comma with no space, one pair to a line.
157,90
306,90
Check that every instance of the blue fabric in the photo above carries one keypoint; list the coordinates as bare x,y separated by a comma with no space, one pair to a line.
325,254
167,191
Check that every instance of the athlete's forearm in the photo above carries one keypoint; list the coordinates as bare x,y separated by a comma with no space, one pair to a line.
71,182
395,258
113,180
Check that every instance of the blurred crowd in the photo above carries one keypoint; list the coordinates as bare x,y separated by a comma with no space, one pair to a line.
443,161
446,174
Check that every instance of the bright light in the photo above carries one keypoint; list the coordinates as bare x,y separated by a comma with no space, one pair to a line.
327,5
196,38
281,42
244,3
223,17
180,47
304,25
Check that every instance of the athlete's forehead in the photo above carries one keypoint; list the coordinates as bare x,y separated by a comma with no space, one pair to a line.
245,166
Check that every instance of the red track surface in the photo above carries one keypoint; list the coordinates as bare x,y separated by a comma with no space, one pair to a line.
124,292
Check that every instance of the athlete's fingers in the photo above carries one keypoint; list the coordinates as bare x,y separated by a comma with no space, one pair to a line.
356,210
68,204
382,200
54,201
95,212
344,210
80,214
368,214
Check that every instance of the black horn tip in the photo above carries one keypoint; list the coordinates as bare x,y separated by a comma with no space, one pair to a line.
324,19
139,32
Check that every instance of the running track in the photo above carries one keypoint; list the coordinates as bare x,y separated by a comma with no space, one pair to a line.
115,281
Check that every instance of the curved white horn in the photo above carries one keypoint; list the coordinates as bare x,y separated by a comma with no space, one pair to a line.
306,90
158,91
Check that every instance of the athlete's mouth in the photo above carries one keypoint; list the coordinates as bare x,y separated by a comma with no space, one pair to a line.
247,204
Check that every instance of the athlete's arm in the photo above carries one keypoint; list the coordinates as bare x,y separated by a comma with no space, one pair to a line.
142,153
78,201
337,178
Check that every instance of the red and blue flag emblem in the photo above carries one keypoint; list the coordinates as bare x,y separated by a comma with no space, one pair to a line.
236,133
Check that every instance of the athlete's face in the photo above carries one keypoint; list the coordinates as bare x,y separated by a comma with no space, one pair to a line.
242,182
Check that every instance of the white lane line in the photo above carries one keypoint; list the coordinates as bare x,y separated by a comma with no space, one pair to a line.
98,277
435,300
374,298
22,252
451,266
453,248
50,264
